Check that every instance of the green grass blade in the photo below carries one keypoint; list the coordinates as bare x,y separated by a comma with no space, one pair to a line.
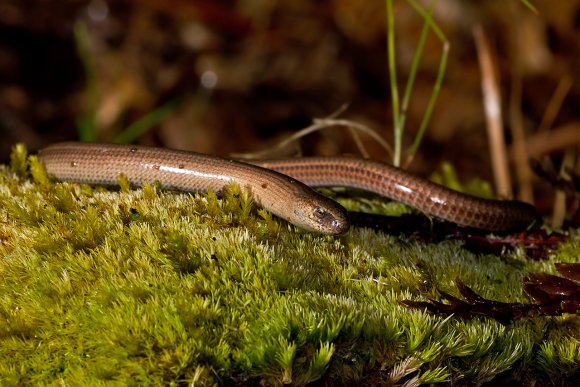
398,130
86,125
415,65
440,74
147,122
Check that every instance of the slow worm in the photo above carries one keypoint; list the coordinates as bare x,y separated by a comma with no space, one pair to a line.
402,186
281,186
283,196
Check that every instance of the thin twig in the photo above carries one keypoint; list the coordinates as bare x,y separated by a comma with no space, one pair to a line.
519,152
492,104
359,143
556,102
559,208
545,142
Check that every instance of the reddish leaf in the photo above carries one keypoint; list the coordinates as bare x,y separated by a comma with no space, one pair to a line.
553,296
569,270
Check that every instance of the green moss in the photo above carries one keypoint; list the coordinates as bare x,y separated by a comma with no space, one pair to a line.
144,287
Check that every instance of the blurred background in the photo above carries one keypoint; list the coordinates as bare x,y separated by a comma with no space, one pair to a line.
223,76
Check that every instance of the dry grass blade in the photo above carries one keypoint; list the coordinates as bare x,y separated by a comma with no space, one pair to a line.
319,124
492,104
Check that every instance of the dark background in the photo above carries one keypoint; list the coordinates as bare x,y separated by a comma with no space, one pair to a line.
279,64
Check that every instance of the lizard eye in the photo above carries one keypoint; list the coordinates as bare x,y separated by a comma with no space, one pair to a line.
319,213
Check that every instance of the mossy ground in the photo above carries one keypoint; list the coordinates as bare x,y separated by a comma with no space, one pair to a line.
146,287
